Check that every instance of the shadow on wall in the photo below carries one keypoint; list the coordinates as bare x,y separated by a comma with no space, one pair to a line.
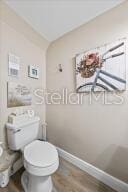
115,159
74,72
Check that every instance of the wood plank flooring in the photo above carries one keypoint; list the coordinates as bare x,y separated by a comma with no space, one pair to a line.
68,178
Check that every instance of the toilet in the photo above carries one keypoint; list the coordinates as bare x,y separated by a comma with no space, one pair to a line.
40,158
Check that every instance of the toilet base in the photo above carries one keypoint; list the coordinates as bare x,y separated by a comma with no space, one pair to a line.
33,183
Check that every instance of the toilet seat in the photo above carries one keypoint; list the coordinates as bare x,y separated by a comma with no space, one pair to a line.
40,158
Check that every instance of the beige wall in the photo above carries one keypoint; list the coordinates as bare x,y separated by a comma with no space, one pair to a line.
19,38
96,133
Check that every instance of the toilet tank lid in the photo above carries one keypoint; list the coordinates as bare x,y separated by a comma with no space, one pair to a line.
16,126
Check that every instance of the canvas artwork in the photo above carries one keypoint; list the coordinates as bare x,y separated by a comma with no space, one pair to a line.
102,68
18,95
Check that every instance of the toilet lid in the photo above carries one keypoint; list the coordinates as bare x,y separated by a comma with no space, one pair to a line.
40,154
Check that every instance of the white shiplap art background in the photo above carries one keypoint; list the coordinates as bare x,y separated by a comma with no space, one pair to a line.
115,66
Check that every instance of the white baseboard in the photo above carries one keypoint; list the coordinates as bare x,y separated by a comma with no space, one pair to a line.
102,176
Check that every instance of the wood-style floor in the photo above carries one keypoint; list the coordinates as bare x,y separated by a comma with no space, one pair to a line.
68,178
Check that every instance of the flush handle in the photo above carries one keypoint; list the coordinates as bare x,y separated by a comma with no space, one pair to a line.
18,130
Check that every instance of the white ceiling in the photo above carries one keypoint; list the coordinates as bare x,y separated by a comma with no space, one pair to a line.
54,18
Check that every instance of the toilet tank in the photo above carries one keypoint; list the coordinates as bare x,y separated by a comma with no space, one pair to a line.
21,134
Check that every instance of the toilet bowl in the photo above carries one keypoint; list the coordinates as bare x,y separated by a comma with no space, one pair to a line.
40,161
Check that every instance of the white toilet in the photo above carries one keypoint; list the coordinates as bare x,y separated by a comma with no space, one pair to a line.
40,157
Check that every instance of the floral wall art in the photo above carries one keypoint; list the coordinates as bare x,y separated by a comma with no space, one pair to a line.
102,68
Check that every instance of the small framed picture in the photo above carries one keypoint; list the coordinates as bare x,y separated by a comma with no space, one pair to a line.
33,72
13,65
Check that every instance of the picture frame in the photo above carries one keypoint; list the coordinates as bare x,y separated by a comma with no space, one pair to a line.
18,95
33,72
102,68
13,65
